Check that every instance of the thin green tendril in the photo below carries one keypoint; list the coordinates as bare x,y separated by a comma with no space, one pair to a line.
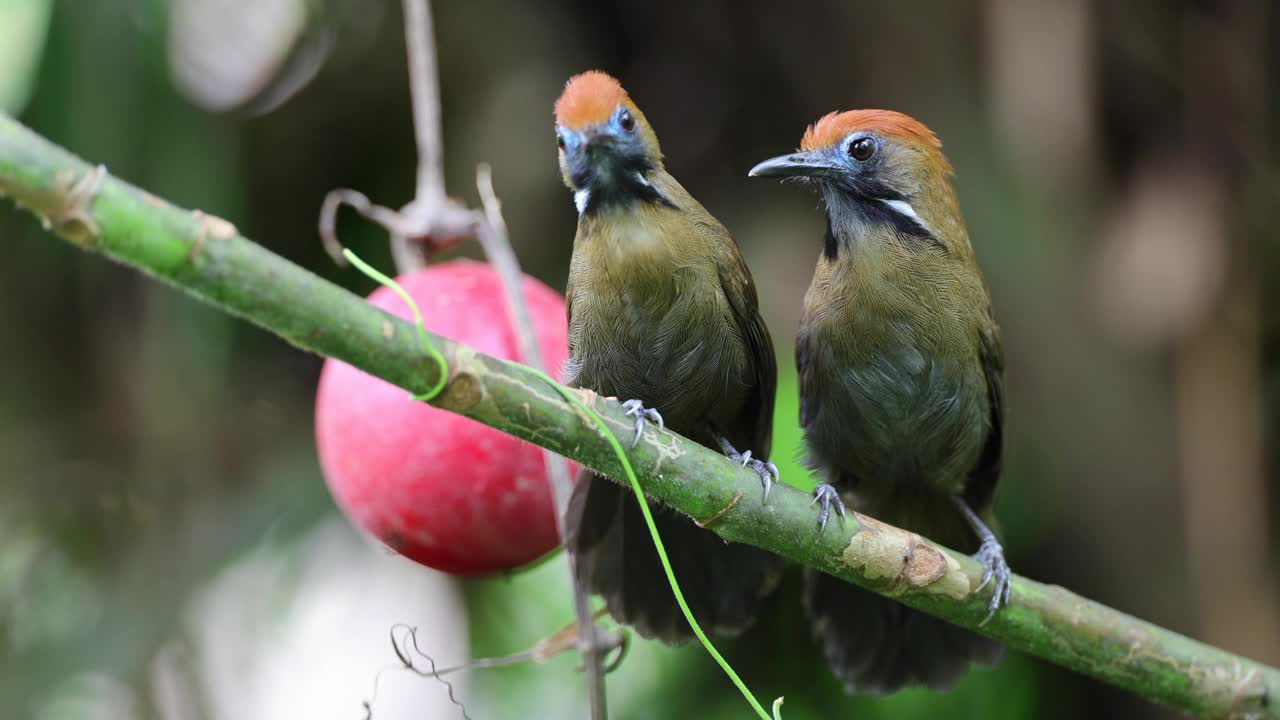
623,460
369,270
662,550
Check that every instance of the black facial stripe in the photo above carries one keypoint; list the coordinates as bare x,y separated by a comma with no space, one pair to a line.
619,186
869,192
623,194
872,188
877,212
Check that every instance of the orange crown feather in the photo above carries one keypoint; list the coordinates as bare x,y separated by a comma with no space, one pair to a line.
834,127
589,99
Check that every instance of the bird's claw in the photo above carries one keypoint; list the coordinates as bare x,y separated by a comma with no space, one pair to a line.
637,410
767,471
991,555
825,496
994,567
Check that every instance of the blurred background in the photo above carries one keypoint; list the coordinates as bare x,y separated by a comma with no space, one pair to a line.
167,545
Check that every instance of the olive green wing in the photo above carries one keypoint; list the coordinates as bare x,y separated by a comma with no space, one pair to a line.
754,429
980,491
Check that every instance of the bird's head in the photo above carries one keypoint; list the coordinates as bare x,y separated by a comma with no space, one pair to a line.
875,168
607,148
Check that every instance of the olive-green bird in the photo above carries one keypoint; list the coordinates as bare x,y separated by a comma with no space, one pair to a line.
662,313
901,385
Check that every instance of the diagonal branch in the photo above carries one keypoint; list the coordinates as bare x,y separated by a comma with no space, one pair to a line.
208,258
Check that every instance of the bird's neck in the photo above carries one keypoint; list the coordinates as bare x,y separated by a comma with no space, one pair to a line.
861,267
640,234
622,190
644,227
881,294
649,244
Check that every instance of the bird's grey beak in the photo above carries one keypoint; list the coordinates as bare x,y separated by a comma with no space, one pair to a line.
801,164
596,133
578,141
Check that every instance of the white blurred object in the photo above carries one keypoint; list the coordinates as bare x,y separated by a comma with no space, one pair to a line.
294,631
1040,68
1162,260
226,53
23,27
279,636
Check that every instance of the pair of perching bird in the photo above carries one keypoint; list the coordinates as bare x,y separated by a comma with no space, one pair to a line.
899,360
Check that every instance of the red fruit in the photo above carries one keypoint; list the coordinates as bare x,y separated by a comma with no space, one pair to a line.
436,487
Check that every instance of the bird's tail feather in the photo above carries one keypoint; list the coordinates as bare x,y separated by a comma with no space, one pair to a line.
876,645
723,583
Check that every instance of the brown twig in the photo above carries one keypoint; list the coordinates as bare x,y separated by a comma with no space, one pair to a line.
425,87
419,40
429,201
432,222
334,200
492,234
542,651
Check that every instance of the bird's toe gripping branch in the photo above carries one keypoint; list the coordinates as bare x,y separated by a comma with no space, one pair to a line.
642,414
767,471
826,496
994,566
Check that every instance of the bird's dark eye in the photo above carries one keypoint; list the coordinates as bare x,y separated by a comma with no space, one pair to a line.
627,122
560,141
862,149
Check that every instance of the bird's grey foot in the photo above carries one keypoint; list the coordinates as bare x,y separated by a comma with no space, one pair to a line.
994,567
642,414
767,471
991,555
826,496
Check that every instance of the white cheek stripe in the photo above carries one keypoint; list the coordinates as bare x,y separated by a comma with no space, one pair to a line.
903,207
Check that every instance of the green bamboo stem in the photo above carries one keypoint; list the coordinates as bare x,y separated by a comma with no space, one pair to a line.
206,257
